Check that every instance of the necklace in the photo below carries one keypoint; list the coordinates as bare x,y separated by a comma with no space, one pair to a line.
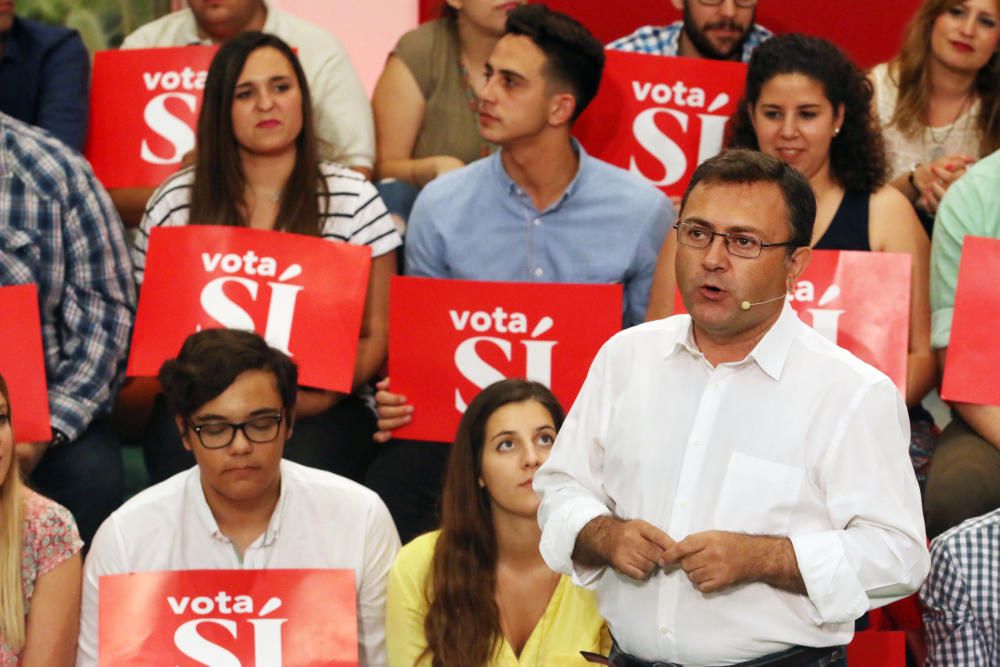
938,149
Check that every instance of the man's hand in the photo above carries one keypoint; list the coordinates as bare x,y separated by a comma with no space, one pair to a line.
633,548
393,411
715,560
29,454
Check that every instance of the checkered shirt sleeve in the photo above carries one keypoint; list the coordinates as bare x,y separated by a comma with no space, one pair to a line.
651,39
961,595
59,229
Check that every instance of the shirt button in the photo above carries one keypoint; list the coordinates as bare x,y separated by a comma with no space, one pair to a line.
538,222
539,272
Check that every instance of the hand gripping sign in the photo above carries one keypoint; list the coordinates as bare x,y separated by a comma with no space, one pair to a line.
303,294
660,117
973,363
450,338
861,302
144,106
22,363
228,618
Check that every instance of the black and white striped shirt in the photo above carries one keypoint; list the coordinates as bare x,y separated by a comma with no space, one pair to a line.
352,213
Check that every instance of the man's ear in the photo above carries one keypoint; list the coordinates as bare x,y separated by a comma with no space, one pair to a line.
561,109
181,428
797,263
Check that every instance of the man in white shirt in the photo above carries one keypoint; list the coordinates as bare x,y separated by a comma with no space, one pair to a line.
243,506
736,488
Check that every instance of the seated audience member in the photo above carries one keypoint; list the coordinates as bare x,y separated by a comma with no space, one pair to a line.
39,567
267,175
938,100
59,230
961,595
477,592
242,506
538,210
964,473
339,102
425,103
44,76
809,105
715,29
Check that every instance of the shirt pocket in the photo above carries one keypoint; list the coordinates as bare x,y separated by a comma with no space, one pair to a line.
758,496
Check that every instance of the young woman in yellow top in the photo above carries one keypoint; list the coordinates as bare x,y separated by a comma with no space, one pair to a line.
477,592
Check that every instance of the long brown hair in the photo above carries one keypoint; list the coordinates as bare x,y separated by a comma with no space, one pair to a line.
12,628
909,71
219,182
463,622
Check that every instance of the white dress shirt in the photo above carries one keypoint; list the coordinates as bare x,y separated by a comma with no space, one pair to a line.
799,439
342,111
321,521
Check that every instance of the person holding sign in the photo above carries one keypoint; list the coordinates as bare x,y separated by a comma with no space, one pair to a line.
257,166
733,485
477,592
538,210
59,230
964,478
242,506
938,100
426,103
39,567
716,29
807,104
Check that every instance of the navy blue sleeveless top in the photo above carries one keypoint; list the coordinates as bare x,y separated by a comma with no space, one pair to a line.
849,228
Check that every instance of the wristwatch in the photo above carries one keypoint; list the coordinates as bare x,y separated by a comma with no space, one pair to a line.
58,438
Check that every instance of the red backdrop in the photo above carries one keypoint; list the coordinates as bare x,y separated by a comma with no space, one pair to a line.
869,31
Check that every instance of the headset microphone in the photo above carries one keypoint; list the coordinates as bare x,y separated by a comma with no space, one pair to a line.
747,305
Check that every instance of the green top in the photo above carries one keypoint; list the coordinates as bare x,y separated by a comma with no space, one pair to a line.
970,208
451,121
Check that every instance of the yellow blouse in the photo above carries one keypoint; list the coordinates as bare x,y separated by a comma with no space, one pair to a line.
569,625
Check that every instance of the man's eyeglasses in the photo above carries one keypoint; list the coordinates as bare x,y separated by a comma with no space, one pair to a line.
739,245
216,435
745,4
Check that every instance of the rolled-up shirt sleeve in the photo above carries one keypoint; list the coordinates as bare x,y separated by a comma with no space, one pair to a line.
877,553
569,483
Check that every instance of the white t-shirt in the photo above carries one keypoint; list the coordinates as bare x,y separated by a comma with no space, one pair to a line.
343,113
321,520
352,213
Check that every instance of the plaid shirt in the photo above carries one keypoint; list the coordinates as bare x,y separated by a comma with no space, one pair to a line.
665,40
961,595
58,229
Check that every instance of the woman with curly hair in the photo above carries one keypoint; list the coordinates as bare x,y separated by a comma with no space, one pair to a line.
806,103
938,100
477,592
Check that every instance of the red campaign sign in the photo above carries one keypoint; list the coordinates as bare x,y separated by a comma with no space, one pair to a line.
660,117
450,338
860,301
235,618
22,363
973,363
303,294
144,106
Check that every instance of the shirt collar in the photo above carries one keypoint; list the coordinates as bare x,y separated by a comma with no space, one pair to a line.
770,353
196,493
508,186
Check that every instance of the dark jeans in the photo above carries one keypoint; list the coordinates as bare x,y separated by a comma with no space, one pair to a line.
408,476
963,480
338,440
86,476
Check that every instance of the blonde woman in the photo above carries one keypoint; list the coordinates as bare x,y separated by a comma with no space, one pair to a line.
40,567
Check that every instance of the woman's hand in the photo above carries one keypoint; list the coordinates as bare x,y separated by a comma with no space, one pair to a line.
933,179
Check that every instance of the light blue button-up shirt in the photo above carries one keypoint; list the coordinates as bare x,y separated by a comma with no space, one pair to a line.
477,224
